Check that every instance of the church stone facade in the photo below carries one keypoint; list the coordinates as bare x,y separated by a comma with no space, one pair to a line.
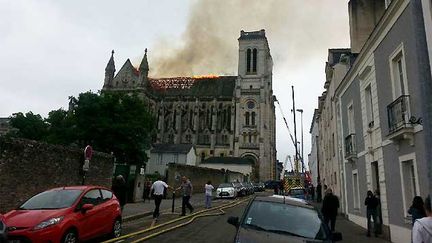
222,116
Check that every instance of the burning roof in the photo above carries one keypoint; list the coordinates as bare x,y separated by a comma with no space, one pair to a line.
177,82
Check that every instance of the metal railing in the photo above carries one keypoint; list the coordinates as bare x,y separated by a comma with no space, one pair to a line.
398,113
350,146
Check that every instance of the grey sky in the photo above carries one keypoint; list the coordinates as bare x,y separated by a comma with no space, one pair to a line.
50,50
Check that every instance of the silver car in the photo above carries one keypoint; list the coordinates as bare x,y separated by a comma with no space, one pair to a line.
226,190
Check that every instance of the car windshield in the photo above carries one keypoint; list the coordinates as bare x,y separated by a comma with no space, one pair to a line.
297,192
54,199
282,218
224,185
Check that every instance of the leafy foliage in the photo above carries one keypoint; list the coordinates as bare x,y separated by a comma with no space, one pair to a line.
111,122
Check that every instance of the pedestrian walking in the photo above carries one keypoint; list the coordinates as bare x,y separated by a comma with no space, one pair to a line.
422,230
379,213
312,191
417,210
158,188
208,194
329,209
119,189
147,186
371,203
187,189
319,192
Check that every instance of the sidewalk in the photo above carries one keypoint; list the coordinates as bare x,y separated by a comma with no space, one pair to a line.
352,232
137,210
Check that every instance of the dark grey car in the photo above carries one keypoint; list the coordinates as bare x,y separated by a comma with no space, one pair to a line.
281,219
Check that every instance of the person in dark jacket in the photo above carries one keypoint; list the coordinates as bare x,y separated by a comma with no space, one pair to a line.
329,209
119,189
319,193
371,203
417,209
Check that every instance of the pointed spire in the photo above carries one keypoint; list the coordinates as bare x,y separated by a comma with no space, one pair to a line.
110,66
144,63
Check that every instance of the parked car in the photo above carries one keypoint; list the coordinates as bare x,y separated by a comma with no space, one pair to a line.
67,214
241,190
259,186
226,190
298,192
3,230
250,187
271,184
273,219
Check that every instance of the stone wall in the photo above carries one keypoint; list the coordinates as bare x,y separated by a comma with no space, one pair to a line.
29,167
199,176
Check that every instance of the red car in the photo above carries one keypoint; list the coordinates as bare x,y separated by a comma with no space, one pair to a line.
67,214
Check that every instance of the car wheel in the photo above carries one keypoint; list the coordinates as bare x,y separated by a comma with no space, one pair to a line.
71,236
117,228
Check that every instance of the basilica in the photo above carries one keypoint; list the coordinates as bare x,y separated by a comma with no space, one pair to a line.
221,116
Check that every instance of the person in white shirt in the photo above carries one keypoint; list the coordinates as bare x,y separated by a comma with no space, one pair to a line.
422,230
158,189
208,194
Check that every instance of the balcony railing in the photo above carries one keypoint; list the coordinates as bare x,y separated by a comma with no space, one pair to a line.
398,114
350,147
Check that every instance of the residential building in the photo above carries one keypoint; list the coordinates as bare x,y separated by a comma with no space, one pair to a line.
380,105
313,156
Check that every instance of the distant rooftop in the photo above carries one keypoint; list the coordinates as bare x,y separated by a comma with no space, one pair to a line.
227,160
171,148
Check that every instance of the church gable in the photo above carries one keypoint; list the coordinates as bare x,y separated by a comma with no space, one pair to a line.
127,77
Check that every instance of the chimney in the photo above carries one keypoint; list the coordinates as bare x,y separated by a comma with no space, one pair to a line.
363,17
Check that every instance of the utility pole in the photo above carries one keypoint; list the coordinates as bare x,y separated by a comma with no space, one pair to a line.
295,126
302,146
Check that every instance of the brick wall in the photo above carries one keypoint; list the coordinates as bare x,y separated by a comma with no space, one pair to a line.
29,167
199,176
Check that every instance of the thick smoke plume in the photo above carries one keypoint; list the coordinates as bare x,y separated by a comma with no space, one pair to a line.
209,45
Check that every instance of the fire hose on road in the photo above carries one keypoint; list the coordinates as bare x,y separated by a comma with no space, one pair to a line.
202,213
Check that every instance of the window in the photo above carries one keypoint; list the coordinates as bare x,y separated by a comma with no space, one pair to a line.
333,145
351,129
356,191
335,178
106,195
254,61
248,60
250,138
92,197
253,118
175,158
202,156
398,73
247,118
369,106
221,154
409,182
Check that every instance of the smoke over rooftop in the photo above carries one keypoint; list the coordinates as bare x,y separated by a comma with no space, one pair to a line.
209,43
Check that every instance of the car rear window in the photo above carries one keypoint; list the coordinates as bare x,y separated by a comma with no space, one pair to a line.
54,199
279,217
225,185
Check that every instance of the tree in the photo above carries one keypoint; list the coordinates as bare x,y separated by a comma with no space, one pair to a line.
111,122
28,126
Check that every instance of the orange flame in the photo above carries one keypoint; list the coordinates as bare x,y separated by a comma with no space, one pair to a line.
205,76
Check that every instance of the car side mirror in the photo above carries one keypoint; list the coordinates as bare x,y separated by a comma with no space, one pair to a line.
234,221
87,207
336,236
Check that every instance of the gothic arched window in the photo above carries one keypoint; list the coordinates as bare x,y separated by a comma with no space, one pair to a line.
248,60
254,60
247,118
253,118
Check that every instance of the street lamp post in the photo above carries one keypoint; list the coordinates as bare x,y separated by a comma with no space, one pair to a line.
302,145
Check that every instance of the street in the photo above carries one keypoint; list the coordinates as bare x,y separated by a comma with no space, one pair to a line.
213,228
